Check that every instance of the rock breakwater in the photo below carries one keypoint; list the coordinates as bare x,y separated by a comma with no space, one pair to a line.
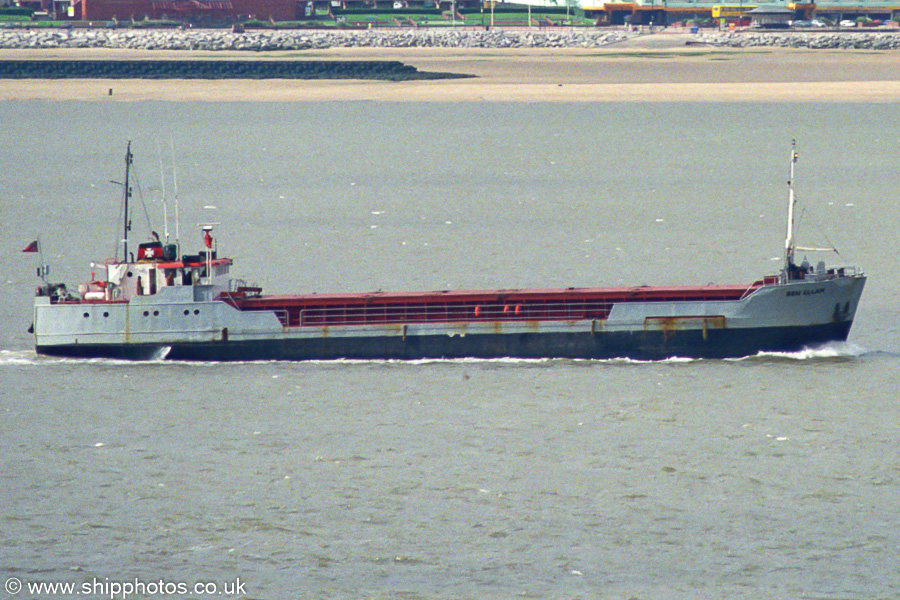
213,69
831,40
269,41
293,40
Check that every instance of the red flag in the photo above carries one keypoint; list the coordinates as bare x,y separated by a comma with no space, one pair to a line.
32,247
207,239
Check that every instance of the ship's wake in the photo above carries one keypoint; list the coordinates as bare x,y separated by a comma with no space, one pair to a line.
840,351
18,357
30,357
829,351
159,354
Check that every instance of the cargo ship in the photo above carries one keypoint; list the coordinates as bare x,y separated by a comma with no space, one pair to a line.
165,305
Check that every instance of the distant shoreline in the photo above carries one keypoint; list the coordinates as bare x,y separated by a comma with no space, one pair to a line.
658,68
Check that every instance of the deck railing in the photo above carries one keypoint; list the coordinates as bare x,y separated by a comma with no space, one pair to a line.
444,313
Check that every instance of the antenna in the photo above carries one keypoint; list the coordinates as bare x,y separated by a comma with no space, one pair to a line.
162,176
175,184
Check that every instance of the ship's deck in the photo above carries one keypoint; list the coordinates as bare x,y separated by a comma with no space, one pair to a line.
474,305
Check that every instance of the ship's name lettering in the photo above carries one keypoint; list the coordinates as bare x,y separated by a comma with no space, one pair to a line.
792,293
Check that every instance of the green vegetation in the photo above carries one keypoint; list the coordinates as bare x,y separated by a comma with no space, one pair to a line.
43,24
152,24
19,11
16,14
374,11
538,18
259,24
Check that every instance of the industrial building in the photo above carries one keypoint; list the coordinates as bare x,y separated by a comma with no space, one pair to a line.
665,12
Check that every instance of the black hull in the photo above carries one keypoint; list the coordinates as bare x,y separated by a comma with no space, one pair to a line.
639,345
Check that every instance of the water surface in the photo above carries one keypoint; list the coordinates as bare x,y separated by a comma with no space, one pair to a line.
773,475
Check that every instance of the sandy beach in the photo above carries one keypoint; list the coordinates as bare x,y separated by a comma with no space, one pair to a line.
658,68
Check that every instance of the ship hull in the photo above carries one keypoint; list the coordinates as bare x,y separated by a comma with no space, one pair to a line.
640,345
770,318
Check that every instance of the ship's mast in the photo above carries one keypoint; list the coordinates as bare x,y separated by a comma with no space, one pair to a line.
175,184
162,177
127,186
789,241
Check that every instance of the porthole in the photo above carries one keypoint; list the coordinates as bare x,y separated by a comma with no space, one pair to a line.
155,313
186,312
106,314
130,274
146,313
196,311
86,315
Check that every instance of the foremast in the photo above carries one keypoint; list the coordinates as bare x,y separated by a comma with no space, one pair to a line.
127,186
789,245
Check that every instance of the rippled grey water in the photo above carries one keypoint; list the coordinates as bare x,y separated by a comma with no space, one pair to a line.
770,476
